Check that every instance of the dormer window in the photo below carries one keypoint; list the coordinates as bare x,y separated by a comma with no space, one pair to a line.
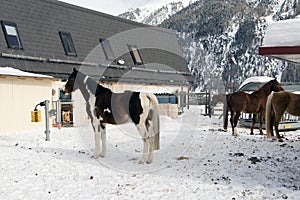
11,35
135,54
68,44
108,52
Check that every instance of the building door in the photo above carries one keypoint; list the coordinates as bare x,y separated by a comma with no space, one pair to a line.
66,109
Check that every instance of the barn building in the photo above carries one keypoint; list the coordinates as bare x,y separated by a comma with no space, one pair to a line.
41,41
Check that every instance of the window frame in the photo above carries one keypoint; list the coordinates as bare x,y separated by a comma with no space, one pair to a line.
108,51
70,43
135,52
6,34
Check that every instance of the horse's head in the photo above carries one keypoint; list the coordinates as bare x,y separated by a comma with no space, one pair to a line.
275,86
71,82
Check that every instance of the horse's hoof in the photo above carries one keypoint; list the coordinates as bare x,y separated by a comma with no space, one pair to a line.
280,140
102,155
273,138
141,162
95,157
148,162
251,133
235,132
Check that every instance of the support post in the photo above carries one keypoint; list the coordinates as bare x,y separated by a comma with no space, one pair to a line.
188,99
58,114
209,104
47,131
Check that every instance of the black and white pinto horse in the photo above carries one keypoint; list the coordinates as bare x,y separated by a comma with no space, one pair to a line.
105,107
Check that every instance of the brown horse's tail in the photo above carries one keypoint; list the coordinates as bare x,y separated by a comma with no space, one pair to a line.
269,116
225,111
156,127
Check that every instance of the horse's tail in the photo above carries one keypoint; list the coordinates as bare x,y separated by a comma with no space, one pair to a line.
225,111
268,116
155,119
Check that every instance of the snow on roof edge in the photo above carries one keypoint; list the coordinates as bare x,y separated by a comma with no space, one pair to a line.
256,79
9,71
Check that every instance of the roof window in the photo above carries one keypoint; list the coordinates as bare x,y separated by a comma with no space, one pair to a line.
108,52
11,35
67,43
135,54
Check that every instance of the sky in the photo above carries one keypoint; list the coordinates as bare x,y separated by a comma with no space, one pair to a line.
113,7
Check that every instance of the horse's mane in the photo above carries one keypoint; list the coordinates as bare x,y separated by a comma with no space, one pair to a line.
92,85
102,90
266,88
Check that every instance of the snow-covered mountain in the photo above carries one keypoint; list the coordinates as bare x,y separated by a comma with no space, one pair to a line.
220,39
155,13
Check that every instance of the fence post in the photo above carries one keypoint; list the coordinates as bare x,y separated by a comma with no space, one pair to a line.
206,103
209,105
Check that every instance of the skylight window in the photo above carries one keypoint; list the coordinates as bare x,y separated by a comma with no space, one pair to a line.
67,43
135,54
108,52
11,35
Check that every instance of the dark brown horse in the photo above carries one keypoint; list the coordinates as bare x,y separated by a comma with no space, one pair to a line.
105,107
277,104
249,103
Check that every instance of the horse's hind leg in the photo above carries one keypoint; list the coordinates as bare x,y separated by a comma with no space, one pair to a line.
236,118
146,141
261,123
146,152
276,124
151,137
231,121
253,123
151,148
271,126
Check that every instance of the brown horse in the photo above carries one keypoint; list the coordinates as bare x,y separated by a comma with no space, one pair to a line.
249,103
277,104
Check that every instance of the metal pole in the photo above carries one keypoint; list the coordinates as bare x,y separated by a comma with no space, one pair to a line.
58,115
179,101
206,103
47,131
209,104
188,99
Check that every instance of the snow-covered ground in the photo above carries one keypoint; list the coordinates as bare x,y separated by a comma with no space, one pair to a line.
196,161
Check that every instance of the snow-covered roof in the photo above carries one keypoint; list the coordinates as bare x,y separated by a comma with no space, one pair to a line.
283,33
9,71
282,40
256,79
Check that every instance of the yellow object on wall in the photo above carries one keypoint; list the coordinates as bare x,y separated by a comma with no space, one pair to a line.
36,116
